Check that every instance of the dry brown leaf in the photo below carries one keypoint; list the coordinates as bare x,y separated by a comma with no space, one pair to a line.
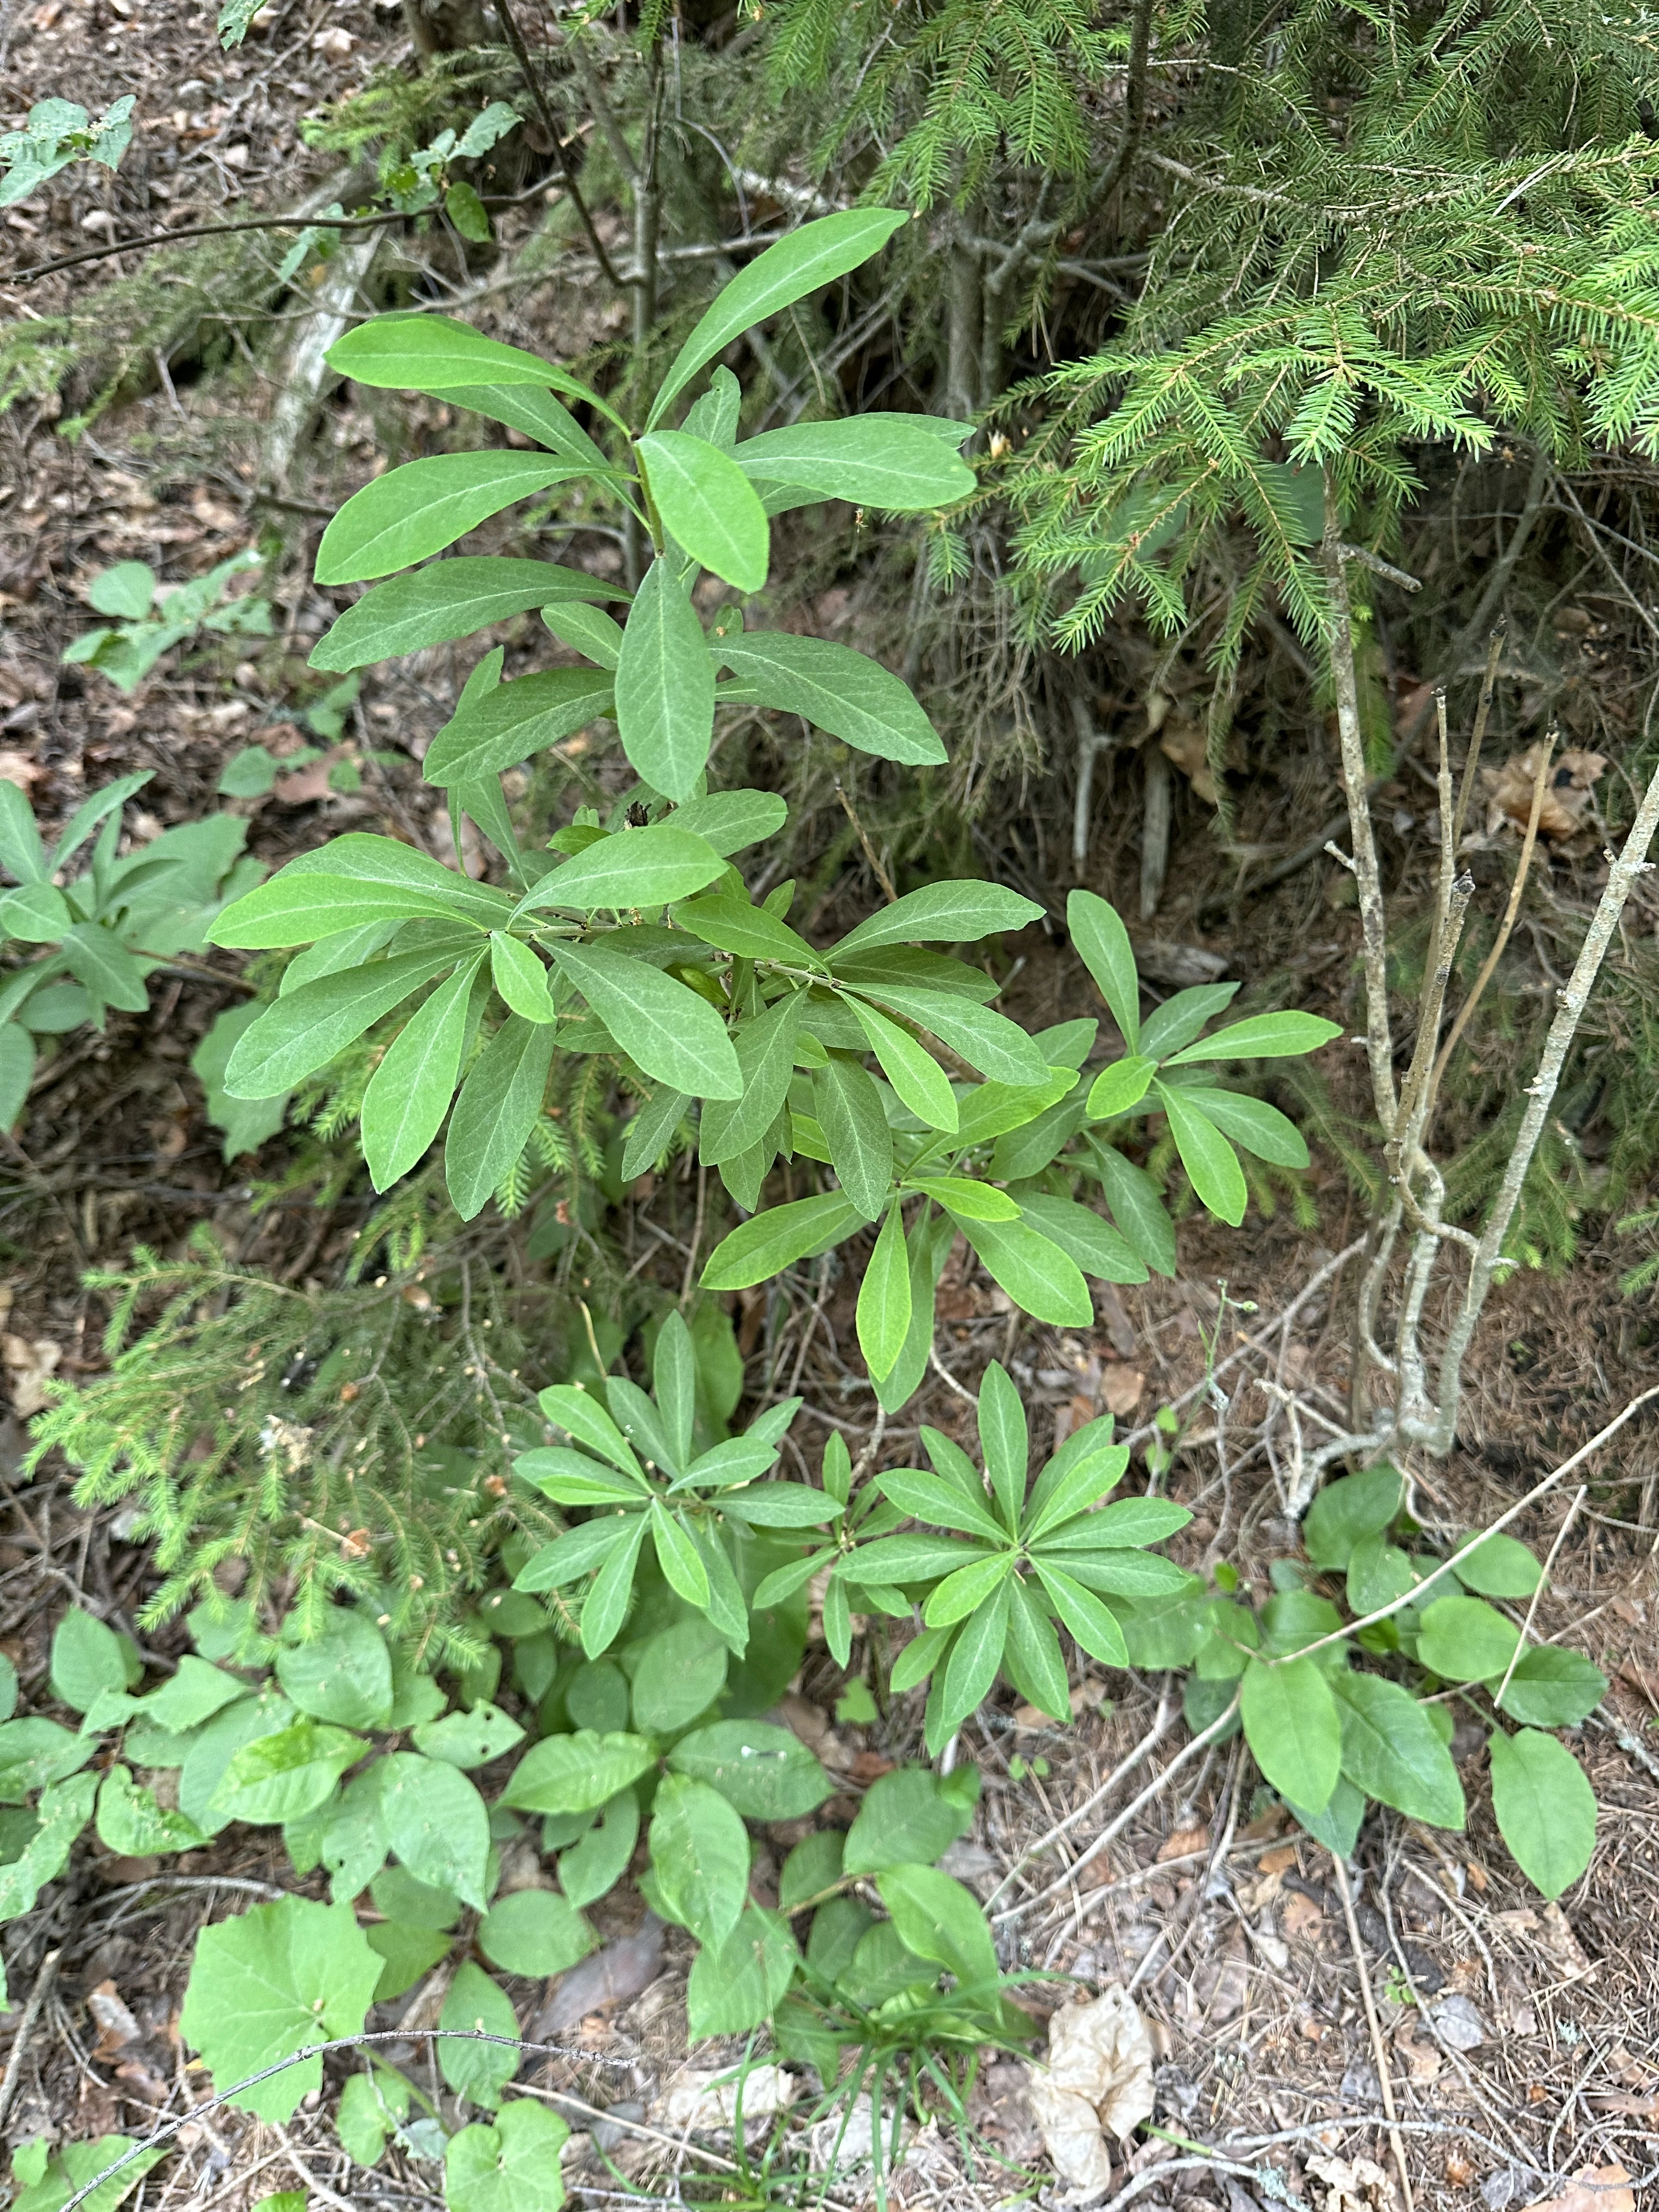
1098,2079
1303,1915
1120,1389
614,1976
1358,2185
1567,792
811,1723
1183,1843
1560,1944
1422,2059
30,1361
116,2025
1592,2189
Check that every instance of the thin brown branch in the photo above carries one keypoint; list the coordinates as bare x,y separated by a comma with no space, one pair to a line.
509,23
1134,104
877,869
1489,965
1379,2049
1488,685
1379,1045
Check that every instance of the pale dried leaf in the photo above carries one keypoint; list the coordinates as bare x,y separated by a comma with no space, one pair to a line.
1120,1389
708,2100
30,1361
1357,2184
1459,2023
1592,2189
1098,2080
1567,792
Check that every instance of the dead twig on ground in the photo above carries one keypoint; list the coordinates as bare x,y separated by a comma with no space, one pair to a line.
1379,2049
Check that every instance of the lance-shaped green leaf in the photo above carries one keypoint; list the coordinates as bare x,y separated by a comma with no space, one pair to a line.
946,1502
915,1074
882,1318
944,914
434,353
1005,1441
1094,1625
21,853
894,462
586,630
1040,1279
410,1091
497,1109
1263,1036
1098,932
1252,1122
450,600
677,1555
731,925
418,509
809,257
855,1128
298,909
386,860
90,813
651,867
515,721
733,820
1179,1019
961,1593
971,1667
606,1608
985,1039
17,1071
841,691
97,959
766,1052
1210,1161
667,1030
305,1030
1032,1658
776,1239
966,1199
1139,1211
1096,1246
707,506
520,978
540,416
1120,1088
665,684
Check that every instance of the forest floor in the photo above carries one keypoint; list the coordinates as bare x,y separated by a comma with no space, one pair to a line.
1517,2040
